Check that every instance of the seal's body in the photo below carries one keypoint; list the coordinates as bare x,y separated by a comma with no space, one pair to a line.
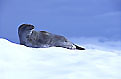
42,39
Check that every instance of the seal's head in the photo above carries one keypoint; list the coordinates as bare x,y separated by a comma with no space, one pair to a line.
25,27
23,31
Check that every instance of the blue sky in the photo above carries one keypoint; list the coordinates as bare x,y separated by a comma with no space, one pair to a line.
71,18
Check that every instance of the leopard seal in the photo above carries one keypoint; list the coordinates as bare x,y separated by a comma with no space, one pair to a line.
43,39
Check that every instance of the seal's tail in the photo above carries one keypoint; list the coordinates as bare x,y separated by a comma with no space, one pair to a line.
79,48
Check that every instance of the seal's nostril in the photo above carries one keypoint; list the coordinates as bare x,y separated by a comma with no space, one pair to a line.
33,27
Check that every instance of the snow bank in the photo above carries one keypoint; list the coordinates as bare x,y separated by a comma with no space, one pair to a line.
20,62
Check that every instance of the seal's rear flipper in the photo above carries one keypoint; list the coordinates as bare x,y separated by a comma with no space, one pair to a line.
79,48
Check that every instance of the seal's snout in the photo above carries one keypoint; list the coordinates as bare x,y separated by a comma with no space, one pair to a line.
31,27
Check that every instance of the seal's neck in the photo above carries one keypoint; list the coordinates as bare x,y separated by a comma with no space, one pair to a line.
31,32
23,37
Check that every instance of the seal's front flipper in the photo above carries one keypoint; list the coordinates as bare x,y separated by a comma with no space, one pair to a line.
79,48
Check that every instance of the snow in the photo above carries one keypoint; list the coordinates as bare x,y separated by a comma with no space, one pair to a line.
20,62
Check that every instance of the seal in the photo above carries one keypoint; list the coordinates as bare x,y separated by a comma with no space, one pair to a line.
43,39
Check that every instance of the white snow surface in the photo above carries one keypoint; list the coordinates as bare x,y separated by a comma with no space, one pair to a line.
21,62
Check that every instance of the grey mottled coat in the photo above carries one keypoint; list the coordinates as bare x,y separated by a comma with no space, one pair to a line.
43,39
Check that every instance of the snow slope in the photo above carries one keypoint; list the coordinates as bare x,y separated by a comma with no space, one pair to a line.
20,62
